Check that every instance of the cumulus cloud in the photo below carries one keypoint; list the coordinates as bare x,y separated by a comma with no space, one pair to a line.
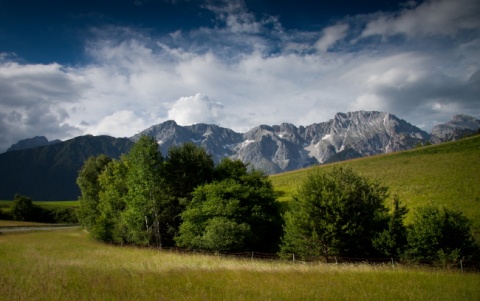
119,124
249,74
195,109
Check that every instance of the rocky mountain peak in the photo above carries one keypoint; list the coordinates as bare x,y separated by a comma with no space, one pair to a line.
285,147
459,126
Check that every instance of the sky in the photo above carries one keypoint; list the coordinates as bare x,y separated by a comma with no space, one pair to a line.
70,68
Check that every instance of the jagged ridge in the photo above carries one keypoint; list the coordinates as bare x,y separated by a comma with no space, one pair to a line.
286,147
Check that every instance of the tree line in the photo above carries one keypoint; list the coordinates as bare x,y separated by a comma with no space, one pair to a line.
185,200
23,209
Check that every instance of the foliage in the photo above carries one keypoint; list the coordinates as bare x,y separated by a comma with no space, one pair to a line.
336,213
237,213
186,167
112,201
22,208
148,217
440,233
88,182
392,241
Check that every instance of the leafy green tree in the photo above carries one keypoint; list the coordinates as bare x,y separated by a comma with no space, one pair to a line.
230,169
149,215
22,208
237,213
112,180
89,187
392,241
186,167
440,232
335,213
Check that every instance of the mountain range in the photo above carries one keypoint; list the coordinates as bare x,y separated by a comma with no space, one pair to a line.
47,170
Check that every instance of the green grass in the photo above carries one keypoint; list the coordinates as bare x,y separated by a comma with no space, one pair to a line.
5,203
445,174
67,265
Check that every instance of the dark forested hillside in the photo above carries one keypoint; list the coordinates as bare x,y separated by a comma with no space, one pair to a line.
49,172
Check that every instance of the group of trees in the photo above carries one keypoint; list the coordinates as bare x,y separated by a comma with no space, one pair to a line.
184,200
23,209
180,200
342,213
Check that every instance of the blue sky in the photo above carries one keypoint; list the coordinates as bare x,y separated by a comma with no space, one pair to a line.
70,68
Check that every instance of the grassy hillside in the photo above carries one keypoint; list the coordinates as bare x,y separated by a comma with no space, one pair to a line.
444,174
67,265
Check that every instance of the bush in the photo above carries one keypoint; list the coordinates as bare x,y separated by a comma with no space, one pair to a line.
440,233
339,213
22,208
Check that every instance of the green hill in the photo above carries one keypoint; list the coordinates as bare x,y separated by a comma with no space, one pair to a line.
444,174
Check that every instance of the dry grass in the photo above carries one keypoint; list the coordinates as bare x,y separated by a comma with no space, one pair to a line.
67,265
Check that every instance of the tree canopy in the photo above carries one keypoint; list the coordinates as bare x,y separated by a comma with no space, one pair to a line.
439,233
89,186
237,213
184,200
337,213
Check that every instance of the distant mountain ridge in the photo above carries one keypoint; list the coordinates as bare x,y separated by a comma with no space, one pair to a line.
31,143
286,147
48,172
459,127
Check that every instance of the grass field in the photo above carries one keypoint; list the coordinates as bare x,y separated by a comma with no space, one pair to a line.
445,174
46,203
67,265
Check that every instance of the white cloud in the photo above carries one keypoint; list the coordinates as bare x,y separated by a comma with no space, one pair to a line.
136,79
330,36
119,124
195,109
444,17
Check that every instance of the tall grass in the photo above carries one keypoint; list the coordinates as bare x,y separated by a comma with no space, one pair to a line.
67,265
445,174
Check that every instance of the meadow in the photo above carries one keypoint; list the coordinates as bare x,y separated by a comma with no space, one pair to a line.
68,265
8,203
444,174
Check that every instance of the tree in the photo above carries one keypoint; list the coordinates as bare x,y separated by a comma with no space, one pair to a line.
22,208
89,187
237,213
335,213
186,167
112,180
392,241
149,215
439,232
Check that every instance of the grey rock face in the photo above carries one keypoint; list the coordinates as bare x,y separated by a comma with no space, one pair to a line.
285,147
459,127
217,141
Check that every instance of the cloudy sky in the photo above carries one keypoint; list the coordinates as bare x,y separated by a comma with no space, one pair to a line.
69,68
